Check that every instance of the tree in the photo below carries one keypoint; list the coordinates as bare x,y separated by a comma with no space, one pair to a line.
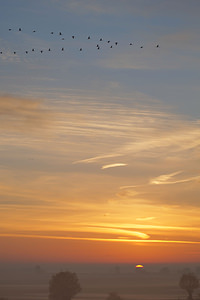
113,296
63,286
189,282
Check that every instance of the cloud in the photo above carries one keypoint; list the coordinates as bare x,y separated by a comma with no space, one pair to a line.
145,219
9,56
155,141
22,114
118,231
138,7
164,179
128,187
119,239
113,166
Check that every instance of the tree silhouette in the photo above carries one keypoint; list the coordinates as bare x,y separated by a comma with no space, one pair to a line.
63,286
113,296
189,282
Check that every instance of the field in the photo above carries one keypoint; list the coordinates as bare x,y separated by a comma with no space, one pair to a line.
31,282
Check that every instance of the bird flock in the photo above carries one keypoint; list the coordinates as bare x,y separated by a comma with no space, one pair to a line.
99,45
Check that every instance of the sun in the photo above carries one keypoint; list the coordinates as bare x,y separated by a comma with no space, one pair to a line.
139,266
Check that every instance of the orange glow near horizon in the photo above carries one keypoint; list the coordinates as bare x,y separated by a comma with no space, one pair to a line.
85,251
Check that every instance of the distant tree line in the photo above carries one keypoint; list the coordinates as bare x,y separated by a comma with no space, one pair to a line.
65,285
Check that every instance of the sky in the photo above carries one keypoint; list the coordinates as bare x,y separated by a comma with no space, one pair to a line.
100,139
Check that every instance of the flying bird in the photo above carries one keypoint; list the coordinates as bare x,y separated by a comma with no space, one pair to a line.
73,37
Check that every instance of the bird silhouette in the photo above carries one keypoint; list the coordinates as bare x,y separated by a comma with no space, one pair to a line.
88,37
73,36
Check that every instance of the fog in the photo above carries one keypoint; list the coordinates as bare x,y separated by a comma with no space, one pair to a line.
30,281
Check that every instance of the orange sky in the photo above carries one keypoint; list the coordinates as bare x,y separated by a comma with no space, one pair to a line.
51,250
136,202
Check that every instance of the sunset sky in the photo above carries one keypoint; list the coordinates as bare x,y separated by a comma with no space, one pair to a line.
100,148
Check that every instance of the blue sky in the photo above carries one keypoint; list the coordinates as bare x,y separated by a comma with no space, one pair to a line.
118,126
169,74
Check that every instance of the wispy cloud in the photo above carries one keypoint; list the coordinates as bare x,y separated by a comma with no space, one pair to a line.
119,240
23,115
156,142
165,179
145,219
142,7
8,56
131,226
113,166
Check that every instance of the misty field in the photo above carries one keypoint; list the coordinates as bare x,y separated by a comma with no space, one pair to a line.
32,282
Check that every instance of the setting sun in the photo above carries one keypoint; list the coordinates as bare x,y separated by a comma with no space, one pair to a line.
139,266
